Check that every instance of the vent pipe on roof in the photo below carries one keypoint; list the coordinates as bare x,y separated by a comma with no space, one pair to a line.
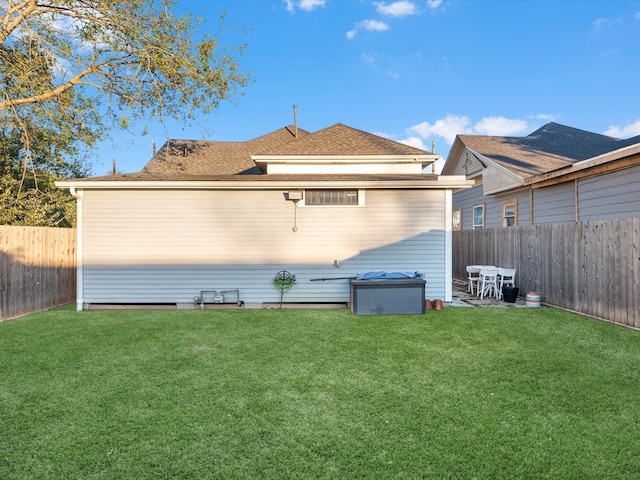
295,121
153,147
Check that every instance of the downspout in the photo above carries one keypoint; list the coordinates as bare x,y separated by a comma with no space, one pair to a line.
575,199
531,205
79,251
448,245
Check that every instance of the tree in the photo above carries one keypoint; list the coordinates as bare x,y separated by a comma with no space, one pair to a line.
71,70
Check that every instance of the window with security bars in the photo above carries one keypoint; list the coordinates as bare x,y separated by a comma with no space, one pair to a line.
331,197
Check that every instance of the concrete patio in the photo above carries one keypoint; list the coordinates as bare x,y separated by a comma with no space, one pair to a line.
463,298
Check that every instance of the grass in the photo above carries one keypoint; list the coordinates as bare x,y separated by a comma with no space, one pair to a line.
464,393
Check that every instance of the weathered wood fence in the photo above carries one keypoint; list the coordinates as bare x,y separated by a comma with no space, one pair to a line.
588,267
37,269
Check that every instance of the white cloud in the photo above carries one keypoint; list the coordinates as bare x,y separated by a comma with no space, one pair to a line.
396,9
500,126
414,142
311,4
602,22
369,58
447,128
548,117
307,5
433,4
371,25
453,125
629,130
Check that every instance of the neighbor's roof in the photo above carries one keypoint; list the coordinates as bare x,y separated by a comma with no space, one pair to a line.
550,147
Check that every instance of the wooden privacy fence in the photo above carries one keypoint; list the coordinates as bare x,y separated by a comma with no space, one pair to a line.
588,267
37,269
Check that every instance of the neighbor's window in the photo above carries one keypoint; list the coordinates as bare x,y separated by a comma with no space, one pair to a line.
510,213
456,222
478,216
331,197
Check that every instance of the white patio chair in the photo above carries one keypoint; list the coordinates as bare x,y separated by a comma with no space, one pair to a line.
473,274
508,278
489,278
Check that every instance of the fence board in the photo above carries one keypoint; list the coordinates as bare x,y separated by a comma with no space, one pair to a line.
37,269
590,267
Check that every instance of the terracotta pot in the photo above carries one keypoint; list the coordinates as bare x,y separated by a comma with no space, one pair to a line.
427,304
437,305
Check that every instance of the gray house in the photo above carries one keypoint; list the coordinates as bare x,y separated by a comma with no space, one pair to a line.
226,216
555,174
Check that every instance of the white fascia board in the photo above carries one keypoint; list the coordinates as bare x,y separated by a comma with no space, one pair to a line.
345,159
445,181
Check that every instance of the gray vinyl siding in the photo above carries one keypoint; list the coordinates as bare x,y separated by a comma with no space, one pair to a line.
611,196
165,246
554,204
466,199
523,200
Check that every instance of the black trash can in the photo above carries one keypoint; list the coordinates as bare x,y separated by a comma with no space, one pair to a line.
509,294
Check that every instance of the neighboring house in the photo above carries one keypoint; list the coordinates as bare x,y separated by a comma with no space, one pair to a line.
206,215
555,174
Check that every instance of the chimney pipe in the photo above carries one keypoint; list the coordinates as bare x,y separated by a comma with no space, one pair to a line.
295,121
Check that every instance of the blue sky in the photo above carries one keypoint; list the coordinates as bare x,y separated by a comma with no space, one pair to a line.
418,71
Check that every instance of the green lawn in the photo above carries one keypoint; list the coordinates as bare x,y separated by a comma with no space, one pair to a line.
465,393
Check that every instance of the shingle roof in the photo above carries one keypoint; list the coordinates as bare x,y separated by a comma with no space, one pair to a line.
188,158
202,157
340,139
548,148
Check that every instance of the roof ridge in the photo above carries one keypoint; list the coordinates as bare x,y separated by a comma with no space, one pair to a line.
373,136
289,128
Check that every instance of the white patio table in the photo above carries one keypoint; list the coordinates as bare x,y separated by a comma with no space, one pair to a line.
475,274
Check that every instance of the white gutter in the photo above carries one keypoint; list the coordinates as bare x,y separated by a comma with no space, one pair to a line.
79,250
443,181
348,159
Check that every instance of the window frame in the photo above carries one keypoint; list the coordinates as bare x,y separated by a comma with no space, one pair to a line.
456,219
503,205
473,216
359,203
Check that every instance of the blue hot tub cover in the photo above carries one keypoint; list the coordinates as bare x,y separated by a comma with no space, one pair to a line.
388,275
